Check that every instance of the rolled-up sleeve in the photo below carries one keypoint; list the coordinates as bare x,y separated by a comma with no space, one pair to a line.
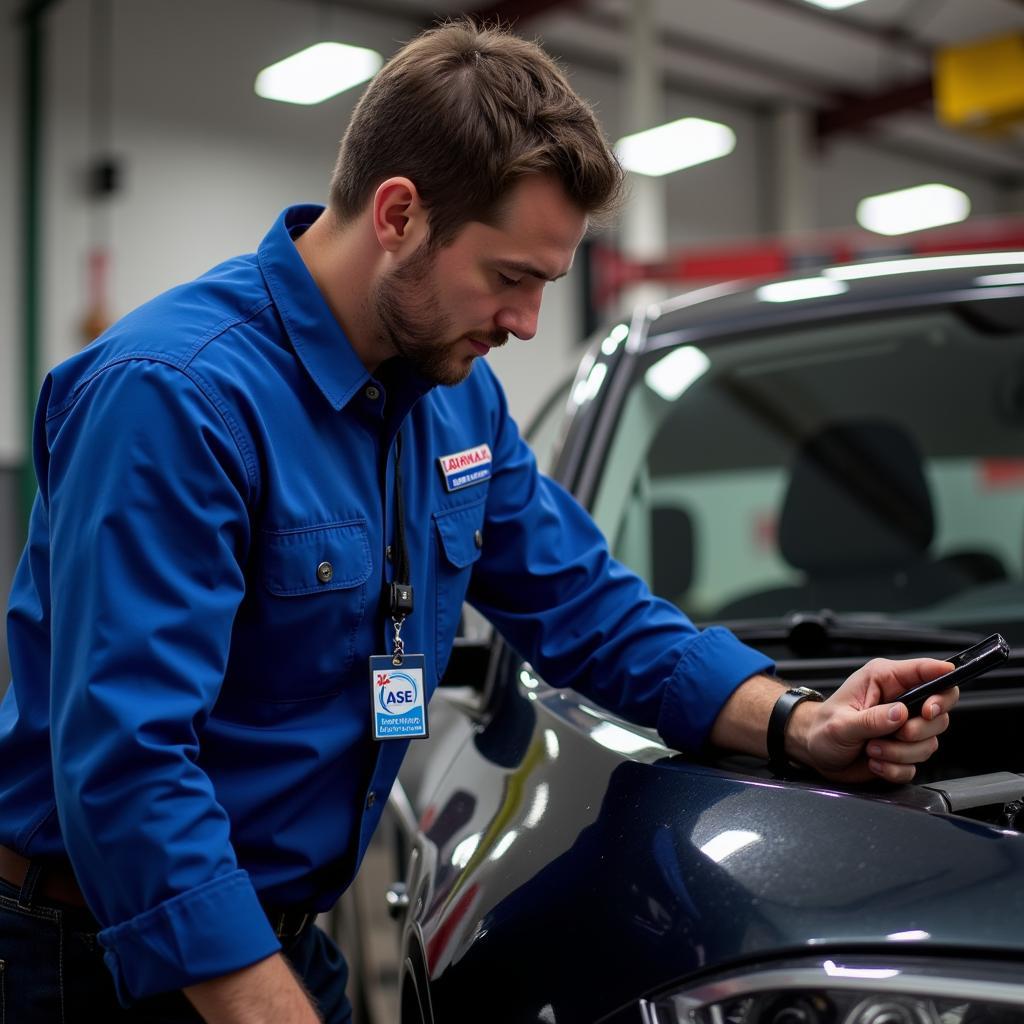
146,489
547,581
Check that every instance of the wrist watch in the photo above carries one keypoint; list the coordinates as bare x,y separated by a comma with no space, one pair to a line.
788,700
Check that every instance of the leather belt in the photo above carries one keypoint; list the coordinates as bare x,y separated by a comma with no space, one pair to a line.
57,882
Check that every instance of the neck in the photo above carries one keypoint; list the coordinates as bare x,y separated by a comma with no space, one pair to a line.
343,263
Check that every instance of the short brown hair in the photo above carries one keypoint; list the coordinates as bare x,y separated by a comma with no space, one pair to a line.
464,112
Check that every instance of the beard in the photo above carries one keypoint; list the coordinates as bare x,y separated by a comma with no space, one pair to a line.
413,324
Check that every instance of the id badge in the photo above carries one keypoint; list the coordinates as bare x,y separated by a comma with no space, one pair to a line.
398,697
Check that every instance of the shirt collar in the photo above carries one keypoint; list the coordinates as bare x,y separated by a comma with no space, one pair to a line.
315,334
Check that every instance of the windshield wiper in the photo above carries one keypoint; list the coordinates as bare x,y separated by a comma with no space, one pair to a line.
819,633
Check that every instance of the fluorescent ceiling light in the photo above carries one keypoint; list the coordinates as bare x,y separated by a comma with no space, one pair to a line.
805,288
913,209
673,374
995,280
834,5
317,73
671,147
858,271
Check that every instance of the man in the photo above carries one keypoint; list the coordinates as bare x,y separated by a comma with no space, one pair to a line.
262,479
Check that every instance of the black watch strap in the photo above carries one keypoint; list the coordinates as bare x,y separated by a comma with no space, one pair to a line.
783,708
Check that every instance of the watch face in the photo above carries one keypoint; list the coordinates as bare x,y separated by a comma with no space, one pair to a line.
806,691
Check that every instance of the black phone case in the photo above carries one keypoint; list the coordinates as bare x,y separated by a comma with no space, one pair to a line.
969,664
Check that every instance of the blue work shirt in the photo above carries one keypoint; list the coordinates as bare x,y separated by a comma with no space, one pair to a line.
189,716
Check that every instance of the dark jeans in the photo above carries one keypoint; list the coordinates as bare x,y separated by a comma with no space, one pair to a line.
52,970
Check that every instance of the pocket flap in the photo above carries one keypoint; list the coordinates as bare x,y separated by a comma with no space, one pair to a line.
321,558
460,533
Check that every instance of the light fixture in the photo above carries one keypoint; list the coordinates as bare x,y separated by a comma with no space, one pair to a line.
673,146
913,209
834,5
317,73
805,288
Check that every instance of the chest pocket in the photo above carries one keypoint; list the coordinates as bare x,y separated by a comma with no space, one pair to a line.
459,533
303,622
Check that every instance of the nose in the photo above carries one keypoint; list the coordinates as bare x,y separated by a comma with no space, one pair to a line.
520,319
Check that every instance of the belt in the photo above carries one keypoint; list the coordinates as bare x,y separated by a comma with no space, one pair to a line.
57,882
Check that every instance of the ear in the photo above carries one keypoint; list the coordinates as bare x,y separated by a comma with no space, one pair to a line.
399,216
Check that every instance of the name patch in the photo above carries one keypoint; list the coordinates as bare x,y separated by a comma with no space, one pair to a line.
463,469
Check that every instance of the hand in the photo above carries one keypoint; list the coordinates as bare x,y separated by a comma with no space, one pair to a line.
862,731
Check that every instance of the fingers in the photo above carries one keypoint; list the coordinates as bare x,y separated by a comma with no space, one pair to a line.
896,677
881,720
934,718
894,758
901,774
897,752
940,704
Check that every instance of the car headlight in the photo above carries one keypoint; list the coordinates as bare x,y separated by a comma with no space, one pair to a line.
852,990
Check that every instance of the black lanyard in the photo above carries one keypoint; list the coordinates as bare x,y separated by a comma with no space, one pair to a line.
400,590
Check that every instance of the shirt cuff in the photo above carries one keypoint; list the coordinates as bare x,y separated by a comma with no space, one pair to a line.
708,673
206,932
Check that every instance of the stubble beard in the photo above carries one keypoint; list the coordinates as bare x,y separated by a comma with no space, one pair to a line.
411,322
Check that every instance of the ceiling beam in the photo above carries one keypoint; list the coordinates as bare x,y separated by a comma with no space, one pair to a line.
893,36
813,84
512,11
857,112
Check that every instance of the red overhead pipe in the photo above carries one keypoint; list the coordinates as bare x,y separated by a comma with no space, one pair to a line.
612,272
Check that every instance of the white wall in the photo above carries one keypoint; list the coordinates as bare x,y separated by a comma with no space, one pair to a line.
850,169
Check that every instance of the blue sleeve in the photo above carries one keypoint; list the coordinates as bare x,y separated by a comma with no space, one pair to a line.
547,581
146,493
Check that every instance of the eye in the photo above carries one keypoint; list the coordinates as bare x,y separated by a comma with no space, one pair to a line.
508,282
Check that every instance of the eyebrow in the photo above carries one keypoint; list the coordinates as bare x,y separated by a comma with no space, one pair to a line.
528,268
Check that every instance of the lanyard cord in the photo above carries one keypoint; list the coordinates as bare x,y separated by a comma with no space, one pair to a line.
401,551
399,591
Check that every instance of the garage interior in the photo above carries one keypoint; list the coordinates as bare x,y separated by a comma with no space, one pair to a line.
137,154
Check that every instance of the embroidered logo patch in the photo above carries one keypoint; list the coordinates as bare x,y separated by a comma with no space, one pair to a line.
465,468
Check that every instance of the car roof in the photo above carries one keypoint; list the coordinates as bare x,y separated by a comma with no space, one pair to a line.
888,284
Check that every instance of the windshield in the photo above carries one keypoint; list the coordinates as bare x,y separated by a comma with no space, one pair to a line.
873,465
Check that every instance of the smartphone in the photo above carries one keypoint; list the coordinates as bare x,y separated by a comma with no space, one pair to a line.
969,664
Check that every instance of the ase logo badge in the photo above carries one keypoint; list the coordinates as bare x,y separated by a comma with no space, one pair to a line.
398,697
396,692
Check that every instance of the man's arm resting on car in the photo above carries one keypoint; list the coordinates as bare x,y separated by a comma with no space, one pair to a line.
859,733
265,993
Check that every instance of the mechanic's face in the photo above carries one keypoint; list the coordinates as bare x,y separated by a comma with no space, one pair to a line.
441,310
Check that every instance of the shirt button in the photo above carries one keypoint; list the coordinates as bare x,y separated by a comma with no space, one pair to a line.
478,538
325,572
372,393
371,798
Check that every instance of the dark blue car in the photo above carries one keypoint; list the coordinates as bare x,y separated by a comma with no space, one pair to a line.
833,467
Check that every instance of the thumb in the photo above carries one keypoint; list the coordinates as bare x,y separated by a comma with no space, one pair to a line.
879,720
